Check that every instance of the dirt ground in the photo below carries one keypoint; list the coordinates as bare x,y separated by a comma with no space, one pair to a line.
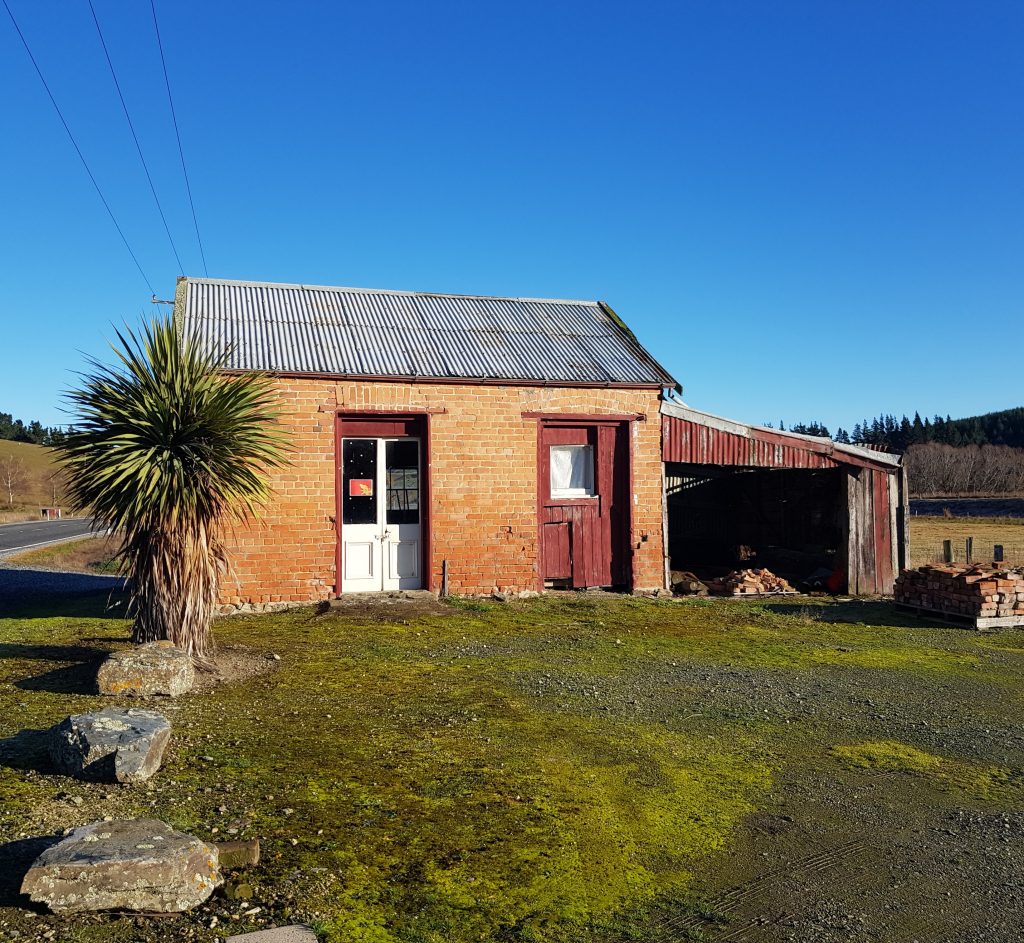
851,853
579,767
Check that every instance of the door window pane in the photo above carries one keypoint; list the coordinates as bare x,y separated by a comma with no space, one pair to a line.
359,481
572,471
402,465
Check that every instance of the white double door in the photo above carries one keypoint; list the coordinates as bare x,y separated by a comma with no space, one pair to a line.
380,521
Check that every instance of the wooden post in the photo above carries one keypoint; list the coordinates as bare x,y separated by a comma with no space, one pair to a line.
947,551
969,549
997,553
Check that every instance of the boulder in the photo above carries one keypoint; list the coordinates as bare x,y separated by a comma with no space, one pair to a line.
297,933
116,744
156,668
132,864
235,855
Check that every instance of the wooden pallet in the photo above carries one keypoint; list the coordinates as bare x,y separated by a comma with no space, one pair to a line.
981,623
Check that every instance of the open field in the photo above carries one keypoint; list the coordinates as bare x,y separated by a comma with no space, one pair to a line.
927,534
579,767
39,467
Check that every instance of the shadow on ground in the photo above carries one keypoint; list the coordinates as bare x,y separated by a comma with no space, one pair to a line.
23,652
79,677
16,858
26,750
40,594
853,612
71,679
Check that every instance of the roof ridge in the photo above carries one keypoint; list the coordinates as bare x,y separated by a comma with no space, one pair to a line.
384,291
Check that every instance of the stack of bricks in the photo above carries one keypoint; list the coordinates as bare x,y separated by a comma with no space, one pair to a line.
758,582
981,591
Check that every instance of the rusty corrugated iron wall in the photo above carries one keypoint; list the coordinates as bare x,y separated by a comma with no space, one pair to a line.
694,443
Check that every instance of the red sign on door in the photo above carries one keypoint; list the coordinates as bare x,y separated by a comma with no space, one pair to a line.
360,487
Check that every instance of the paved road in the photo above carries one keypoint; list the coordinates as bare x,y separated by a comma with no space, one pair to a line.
34,533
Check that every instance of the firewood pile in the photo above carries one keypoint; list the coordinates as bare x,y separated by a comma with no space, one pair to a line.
982,591
685,583
760,582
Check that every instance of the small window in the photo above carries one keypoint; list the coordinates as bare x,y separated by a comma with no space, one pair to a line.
572,471
359,474
402,467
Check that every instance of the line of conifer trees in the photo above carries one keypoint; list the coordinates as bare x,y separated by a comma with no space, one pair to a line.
898,435
36,432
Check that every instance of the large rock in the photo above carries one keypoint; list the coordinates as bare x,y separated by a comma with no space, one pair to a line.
136,864
296,933
119,744
153,668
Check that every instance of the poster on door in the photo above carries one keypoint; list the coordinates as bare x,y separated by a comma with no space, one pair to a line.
360,487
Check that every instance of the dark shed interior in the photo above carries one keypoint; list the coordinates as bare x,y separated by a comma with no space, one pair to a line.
790,520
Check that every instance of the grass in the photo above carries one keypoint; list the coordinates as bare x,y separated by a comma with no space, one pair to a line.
928,533
88,555
553,770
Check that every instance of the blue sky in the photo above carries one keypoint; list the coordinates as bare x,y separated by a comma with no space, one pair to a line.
807,210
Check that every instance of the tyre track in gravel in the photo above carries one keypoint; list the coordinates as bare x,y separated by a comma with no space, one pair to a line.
728,902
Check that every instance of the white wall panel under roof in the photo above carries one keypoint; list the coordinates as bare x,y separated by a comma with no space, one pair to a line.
298,329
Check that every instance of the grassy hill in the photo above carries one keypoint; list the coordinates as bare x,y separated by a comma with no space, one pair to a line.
40,466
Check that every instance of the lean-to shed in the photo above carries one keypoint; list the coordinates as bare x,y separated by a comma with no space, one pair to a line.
740,496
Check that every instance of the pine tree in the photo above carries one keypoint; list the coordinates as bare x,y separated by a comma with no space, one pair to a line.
905,434
917,432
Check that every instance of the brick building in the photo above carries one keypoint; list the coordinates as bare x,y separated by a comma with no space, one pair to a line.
498,443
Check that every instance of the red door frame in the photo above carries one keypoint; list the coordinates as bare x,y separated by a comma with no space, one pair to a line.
380,423
625,423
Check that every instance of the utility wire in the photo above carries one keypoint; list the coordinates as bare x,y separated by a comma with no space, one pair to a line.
135,137
177,134
78,150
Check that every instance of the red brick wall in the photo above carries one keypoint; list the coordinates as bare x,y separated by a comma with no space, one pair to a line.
483,486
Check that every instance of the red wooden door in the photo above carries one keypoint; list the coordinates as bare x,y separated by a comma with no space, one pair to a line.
584,512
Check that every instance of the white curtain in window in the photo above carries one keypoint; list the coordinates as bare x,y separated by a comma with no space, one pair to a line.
572,469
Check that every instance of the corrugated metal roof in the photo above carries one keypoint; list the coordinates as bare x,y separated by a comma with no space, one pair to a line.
300,329
691,436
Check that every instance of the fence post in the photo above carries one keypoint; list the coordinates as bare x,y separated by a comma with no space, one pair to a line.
997,553
947,551
969,549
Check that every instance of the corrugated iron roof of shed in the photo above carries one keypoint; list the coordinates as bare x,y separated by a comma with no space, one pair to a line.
309,329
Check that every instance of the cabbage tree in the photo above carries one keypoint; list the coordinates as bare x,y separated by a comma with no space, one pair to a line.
168,451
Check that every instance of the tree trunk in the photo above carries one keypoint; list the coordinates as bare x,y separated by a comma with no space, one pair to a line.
175,582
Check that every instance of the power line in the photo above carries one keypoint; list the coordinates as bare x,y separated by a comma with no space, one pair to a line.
135,137
74,144
177,134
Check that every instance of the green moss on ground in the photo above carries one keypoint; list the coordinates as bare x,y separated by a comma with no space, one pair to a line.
412,780
969,779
